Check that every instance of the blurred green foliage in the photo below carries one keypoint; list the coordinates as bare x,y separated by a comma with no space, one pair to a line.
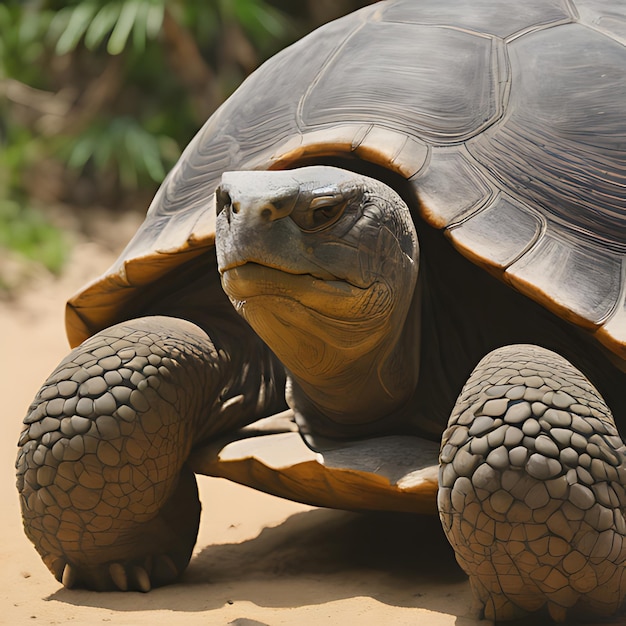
97,98
26,231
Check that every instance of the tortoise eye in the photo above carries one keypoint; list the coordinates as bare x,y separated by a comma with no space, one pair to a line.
323,212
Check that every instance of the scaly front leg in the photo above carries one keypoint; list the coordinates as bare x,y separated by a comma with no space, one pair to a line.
531,491
106,497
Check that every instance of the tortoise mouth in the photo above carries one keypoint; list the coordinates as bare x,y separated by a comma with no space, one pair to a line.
319,274
251,266
246,280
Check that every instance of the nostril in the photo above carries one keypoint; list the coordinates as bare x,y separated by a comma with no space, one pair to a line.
222,200
266,214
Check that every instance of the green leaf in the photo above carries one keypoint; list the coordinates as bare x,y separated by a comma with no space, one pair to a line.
270,20
102,24
262,22
78,23
127,170
152,162
104,146
139,27
122,29
154,19
81,151
58,24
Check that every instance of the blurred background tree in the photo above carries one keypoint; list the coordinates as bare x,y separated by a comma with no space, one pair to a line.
98,98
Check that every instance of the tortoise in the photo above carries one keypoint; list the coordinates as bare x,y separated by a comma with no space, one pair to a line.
402,238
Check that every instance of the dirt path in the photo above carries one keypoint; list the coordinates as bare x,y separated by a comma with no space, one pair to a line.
259,560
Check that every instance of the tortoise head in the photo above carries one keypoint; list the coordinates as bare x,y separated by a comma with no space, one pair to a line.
323,264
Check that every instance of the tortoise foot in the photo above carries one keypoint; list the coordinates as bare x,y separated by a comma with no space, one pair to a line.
531,491
147,555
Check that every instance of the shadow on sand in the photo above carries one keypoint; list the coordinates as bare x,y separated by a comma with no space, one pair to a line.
314,557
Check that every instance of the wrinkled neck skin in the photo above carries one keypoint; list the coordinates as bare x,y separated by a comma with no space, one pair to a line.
338,306
365,386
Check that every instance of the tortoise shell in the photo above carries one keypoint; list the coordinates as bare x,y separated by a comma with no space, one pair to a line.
507,119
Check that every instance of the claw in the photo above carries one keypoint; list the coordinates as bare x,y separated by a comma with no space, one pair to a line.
169,564
118,575
142,578
69,576
557,613
164,570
